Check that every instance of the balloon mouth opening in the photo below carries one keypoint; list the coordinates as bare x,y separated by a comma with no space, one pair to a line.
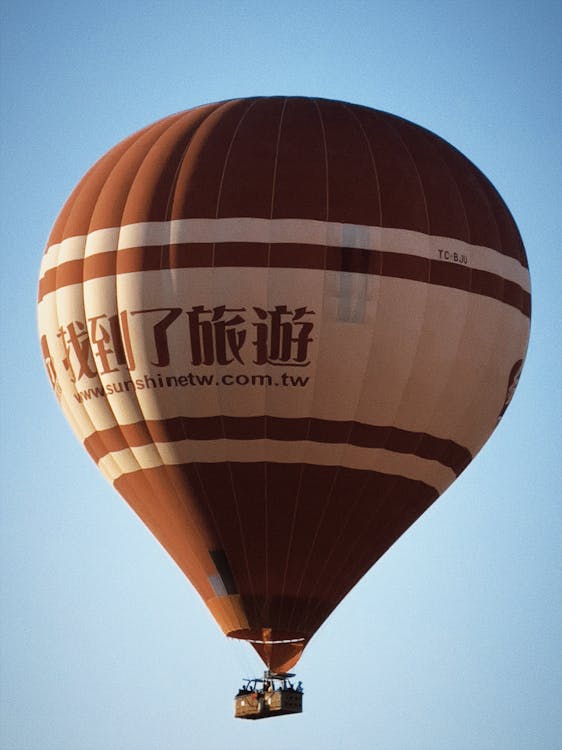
267,638
274,642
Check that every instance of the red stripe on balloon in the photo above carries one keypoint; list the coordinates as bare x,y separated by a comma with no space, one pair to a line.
446,452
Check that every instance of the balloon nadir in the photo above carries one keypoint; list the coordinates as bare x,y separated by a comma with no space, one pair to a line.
273,695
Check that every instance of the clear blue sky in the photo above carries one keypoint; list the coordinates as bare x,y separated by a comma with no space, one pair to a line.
452,641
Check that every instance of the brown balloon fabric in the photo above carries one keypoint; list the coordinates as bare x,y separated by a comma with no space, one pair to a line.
282,327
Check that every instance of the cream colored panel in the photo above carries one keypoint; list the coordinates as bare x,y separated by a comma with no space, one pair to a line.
486,394
397,328
81,383
100,306
441,339
301,289
155,305
63,377
82,379
473,392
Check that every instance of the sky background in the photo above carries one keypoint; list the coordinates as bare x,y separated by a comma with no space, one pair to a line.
453,640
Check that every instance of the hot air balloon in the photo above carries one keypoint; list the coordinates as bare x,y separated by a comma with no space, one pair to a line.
282,327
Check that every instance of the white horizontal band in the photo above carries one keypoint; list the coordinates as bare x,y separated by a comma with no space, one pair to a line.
275,642
274,231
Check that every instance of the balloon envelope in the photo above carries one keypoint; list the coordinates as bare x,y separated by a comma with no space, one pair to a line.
282,327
